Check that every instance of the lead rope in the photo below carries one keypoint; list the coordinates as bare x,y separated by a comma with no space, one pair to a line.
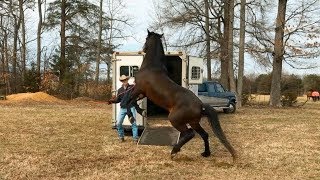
126,91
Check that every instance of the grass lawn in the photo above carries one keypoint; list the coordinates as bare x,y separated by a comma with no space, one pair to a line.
75,141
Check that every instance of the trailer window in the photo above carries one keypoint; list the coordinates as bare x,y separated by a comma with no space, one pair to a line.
195,72
129,70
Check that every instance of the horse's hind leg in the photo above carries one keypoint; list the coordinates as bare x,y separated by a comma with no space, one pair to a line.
204,135
185,136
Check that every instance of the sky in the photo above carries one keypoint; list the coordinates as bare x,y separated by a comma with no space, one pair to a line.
141,13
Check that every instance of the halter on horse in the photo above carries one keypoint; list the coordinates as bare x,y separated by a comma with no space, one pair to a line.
184,107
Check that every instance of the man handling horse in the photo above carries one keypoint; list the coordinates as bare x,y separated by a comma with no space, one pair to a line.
122,97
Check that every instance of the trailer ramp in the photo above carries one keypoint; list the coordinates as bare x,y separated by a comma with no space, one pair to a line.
159,135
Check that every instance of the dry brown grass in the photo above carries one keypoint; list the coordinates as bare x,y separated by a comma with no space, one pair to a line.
75,141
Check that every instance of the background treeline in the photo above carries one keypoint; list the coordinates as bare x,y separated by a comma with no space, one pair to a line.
272,33
292,86
88,32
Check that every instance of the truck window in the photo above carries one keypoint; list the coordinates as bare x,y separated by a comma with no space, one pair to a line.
202,87
211,88
129,70
195,72
220,88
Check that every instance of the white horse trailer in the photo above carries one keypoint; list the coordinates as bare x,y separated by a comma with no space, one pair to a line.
185,70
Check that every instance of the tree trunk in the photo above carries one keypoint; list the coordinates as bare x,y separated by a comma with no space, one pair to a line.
6,63
224,46
4,76
232,85
109,63
14,55
39,43
241,52
23,35
63,65
207,29
108,71
99,45
275,94
2,66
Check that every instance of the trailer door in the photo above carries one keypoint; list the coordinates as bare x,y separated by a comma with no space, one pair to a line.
195,70
126,65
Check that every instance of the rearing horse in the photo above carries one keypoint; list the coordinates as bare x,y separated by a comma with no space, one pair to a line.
184,107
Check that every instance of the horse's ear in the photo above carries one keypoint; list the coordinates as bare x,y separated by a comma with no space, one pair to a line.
161,35
148,32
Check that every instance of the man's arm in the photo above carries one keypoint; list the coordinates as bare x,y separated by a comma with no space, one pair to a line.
115,99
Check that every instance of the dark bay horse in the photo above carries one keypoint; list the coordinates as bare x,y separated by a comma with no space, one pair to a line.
184,107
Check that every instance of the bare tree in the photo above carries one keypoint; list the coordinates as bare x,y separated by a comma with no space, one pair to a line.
99,44
296,37
23,35
241,52
116,23
5,52
227,74
63,19
39,32
192,25
231,85
278,54
207,31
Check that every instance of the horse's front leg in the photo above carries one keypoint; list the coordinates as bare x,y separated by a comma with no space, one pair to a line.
185,136
139,110
134,97
132,101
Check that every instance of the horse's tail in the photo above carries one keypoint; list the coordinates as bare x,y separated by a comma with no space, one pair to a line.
217,130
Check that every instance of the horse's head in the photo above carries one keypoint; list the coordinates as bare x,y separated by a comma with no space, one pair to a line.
151,40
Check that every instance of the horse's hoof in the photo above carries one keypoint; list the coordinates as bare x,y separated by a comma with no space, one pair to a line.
235,158
173,155
174,151
205,154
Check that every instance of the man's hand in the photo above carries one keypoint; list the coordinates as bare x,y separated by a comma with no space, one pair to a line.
109,102
132,120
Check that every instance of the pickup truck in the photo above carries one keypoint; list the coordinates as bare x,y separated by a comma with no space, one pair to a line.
217,96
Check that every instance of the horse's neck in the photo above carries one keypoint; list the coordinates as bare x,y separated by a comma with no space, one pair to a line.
153,59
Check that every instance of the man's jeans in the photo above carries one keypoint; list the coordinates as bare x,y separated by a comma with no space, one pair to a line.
122,114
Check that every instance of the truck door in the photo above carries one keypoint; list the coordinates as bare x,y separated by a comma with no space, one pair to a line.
125,65
215,93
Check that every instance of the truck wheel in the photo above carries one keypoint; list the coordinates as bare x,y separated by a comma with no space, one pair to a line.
231,109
